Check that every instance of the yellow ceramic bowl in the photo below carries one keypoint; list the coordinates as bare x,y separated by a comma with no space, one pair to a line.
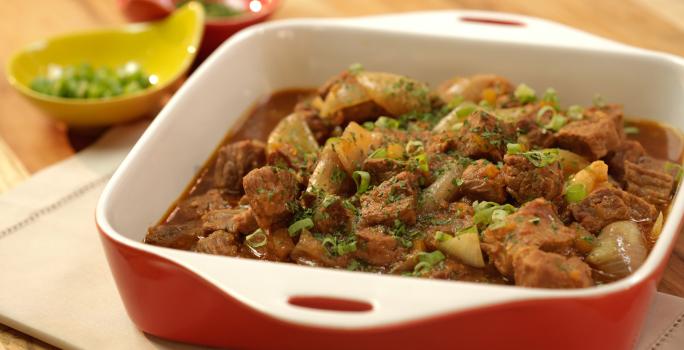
164,49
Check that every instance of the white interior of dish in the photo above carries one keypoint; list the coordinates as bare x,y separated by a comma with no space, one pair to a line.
274,56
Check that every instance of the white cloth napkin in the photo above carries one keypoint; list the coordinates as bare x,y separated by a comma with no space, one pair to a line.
55,283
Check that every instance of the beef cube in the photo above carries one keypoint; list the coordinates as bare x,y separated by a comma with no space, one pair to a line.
457,216
593,137
270,192
218,243
235,160
604,206
244,222
536,268
376,247
525,181
332,215
651,184
179,236
238,220
196,206
535,224
484,136
629,150
381,170
483,181
310,251
394,199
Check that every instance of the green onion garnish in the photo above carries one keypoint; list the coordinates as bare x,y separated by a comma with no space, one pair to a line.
257,239
362,180
598,101
575,193
369,126
631,130
355,68
387,123
487,213
525,94
543,111
380,153
469,229
422,162
556,123
542,158
551,98
575,112
455,102
514,148
427,261
299,225
675,169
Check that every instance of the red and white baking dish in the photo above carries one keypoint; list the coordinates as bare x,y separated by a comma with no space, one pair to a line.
248,304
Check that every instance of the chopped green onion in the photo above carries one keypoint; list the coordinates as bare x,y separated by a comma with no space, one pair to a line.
380,153
441,236
675,169
355,68
542,158
484,104
514,148
421,161
551,98
543,111
387,123
575,112
369,126
362,180
257,239
299,225
575,193
598,101
427,261
346,247
465,109
485,213
457,127
556,123
332,140
525,94
631,130
414,147
337,246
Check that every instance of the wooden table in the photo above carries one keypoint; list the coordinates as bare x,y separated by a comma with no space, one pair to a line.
34,141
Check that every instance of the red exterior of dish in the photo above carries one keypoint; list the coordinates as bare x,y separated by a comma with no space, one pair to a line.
167,300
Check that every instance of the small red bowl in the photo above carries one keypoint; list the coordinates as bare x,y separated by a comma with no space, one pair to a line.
216,30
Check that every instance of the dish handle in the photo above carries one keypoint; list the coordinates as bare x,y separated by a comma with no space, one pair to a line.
488,25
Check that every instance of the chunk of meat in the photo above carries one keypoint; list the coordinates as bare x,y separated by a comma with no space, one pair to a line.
536,268
651,184
457,216
178,236
332,215
196,206
218,243
629,150
536,225
483,181
376,247
270,192
235,160
310,251
525,181
606,205
484,136
232,220
593,137
394,199
381,170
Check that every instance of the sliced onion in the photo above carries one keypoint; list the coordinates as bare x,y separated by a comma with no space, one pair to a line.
620,249
465,247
